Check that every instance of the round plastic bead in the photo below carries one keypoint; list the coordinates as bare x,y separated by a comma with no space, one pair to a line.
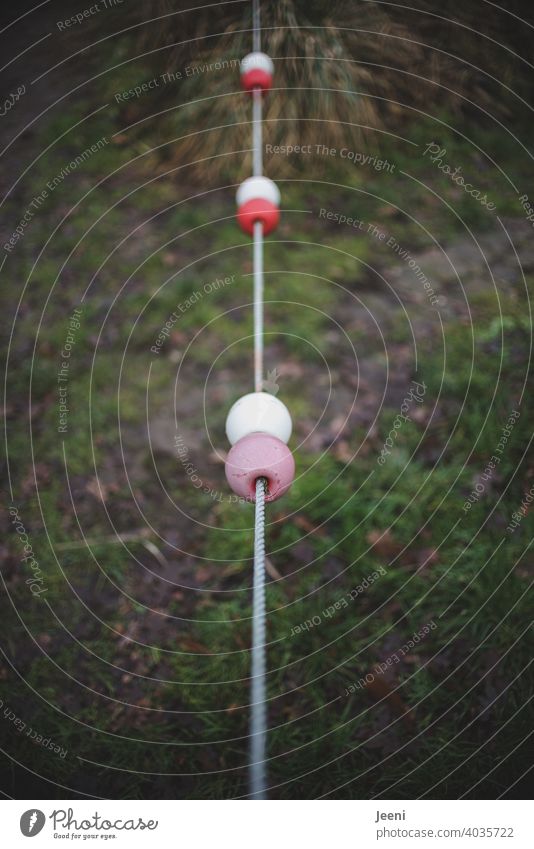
258,210
258,412
257,72
254,188
260,455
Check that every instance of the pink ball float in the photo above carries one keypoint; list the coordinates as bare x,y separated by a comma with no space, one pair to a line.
260,455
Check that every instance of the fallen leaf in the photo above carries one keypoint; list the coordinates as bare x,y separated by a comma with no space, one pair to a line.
379,689
342,451
203,574
426,557
100,490
337,425
421,415
36,476
218,457
271,570
194,647
305,524
291,370
383,543
169,259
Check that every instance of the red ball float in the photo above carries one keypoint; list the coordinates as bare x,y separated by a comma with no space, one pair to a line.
257,72
256,78
256,210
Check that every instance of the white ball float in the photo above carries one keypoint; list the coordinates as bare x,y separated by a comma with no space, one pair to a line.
258,188
258,412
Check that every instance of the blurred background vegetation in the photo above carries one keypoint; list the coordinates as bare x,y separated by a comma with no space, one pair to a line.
136,660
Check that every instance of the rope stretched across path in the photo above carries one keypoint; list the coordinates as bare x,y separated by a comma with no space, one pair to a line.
259,466
258,707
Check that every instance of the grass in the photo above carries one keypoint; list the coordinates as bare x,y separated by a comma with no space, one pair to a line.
133,695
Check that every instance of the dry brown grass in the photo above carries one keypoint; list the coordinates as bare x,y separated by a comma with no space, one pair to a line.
343,70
